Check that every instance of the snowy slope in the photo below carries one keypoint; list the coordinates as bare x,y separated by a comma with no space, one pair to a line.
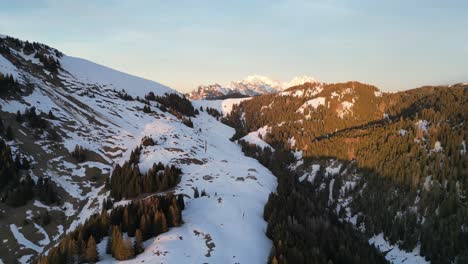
256,137
231,215
92,73
7,68
223,106
90,113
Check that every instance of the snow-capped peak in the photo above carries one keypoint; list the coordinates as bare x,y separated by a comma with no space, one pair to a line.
252,85
255,85
299,80
260,80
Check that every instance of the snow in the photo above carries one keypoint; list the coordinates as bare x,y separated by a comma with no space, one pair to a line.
314,103
254,138
92,73
428,183
223,106
333,169
422,125
88,210
252,85
232,210
6,67
402,132
29,214
330,192
463,148
345,109
69,211
238,186
25,259
59,232
23,241
438,147
38,98
310,176
258,83
29,57
299,80
45,241
394,254
103,257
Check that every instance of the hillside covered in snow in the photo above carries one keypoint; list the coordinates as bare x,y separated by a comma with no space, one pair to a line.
70,122
99,166
393,166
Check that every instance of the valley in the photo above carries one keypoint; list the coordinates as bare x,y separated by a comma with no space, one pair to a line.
98,165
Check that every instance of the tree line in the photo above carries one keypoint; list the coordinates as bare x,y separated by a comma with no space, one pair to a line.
127,181
15,189
412,160
137,222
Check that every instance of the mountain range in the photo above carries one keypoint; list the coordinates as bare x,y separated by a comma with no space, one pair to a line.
253,85
97,165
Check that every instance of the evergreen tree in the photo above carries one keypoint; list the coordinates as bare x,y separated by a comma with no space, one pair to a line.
91,250
109,245
19,117
51,115
9,133
138,245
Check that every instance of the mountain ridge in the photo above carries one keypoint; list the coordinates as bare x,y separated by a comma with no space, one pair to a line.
252,85
66,124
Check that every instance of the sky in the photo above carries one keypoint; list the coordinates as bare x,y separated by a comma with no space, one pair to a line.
395,45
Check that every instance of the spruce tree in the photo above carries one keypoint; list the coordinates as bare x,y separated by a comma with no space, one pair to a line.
138,245
116,241
9,133
91,250
109,246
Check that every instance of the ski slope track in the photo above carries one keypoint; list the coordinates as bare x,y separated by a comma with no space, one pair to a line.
90,113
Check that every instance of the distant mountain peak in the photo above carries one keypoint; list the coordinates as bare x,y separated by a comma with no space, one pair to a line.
299,80
251,85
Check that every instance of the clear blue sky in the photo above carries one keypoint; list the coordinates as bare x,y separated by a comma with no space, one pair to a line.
395,44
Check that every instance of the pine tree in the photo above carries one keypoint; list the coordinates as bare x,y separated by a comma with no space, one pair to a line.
51,115
19,117
138,245
116,241
173,216
91,250
164,227
144,227
274,260
9,133
81,245
126,250
109,246
180,202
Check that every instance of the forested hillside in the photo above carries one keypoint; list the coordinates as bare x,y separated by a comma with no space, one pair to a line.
400,158
97,165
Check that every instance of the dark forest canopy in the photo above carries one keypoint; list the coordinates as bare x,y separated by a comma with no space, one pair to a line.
397,142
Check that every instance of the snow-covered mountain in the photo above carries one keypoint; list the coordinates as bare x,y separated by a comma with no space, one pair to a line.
89,108
51,103
253,85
